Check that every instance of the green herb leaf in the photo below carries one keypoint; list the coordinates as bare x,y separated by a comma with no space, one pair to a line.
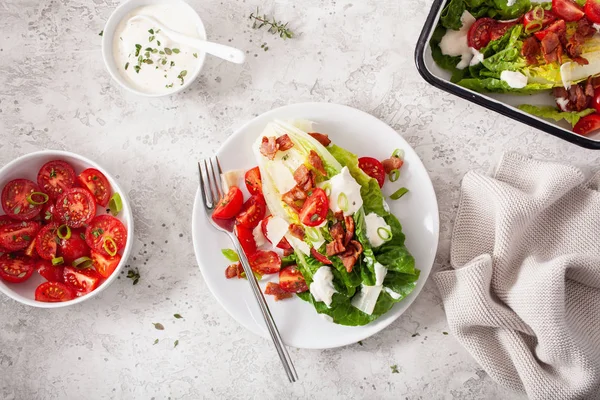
176,343
26,237
82,236
394,369
156,341
158,42
178,316
231,255
134,275
275,27
151,31
168,51
195,55
159,326
101,33
138,48
444,333
151,38
176,51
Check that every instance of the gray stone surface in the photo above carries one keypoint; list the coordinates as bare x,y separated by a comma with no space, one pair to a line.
55,93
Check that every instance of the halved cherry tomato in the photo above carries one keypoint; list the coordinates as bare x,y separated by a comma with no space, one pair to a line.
15,268
373,168
253,181
556,27
265,262
14,200
53,292
55,177
596,100
314,210
252,212
5,220
105,265
46,242
567,10
82,281
547,18
52,273
76,207
320,257
500,28
48,214
101,230
283,243
95,181
246,239
30,251
229,205
75,247
480,33
291,280
18,235
592,10
587,124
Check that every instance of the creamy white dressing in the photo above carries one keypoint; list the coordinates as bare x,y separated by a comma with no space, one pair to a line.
322,285
510,3
156,73
366,299
514,79
380,273
562,103
393,294
454,43
344,193
374,222
277,227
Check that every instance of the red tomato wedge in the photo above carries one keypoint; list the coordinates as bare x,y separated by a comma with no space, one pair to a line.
30,251
480,33
55,177
76,207
587,124
592,10
18,235
500,28
95,181
75,247
547,17
53,292
46,242
283,243
246,239
265,262
556,27
567,10
15,201
320,257
52,273
105,265
82,281
15,268
314,210
291,280
48,214
253,211
230,205
106,235
253,181
373,168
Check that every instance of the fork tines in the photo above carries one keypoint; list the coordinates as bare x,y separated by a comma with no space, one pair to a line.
210,181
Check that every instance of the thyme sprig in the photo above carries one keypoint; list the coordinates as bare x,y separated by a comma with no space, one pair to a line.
275,27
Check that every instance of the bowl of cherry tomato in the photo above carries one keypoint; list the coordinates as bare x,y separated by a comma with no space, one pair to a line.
66,229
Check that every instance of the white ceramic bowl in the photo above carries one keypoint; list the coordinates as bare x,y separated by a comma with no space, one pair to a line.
107,44
27,167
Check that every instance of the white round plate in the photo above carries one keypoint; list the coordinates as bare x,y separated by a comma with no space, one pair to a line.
299,324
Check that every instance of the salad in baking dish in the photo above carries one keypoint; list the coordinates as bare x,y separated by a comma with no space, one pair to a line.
516,46
316,219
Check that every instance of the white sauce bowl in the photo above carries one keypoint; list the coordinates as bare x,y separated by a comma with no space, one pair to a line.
108,36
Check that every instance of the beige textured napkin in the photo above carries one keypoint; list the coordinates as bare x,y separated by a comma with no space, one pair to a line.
524,292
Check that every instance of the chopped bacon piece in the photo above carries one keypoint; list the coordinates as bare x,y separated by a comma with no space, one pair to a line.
294,198
338,235
284,142
276,290
577,98
305,178
349,222
268,147
391,164
585,28
350,256
234,270
574,46
589,87
335,247
321,138
296,231
551,48
316,162
531,50
339,215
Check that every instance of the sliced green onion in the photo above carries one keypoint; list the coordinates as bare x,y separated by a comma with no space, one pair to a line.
533,26
82,262
110,246
115,204
398,153
31,201
394,175
327,189
343,202
537,13
399,193
58,261
312,234
384,233
64,232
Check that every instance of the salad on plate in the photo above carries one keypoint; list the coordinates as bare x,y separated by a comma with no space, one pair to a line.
313,222
522,47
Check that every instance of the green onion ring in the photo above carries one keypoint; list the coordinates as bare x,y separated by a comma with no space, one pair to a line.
533,26
107,242
398,153
327,189
312,234
399,193
115,204
31,201
394,175
60,234
384,233
537,13
343,202
58,261
82,262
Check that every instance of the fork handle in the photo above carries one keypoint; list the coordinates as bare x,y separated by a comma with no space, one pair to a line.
266,313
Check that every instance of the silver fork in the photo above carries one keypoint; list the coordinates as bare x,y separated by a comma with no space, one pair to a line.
212,192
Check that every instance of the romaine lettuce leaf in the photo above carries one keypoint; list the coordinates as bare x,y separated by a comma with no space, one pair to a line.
553,113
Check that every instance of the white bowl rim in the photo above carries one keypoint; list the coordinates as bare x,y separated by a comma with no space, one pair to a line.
107,40
128,215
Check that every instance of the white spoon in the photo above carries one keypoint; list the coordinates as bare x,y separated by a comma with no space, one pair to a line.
225,52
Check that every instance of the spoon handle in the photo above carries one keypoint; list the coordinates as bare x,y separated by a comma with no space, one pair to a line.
219,50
